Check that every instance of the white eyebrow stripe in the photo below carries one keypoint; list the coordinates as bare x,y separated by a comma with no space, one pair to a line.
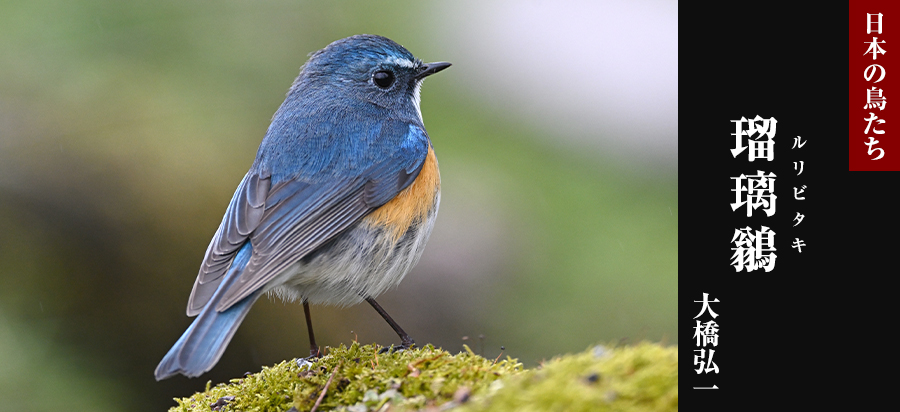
401,62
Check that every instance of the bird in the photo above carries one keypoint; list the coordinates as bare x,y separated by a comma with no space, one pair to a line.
335,209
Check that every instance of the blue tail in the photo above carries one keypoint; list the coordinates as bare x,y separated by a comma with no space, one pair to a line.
203,343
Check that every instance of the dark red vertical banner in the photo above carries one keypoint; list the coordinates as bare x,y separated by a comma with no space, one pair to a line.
874,62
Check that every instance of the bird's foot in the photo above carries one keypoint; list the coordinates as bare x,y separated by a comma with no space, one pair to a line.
404,345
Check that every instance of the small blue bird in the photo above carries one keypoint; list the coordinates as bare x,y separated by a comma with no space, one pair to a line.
337,206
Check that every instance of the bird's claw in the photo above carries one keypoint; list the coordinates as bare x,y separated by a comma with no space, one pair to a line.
399,348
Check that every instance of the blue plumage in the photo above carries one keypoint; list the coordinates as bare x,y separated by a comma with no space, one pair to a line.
345,166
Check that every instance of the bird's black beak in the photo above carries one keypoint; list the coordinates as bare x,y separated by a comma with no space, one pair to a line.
428,69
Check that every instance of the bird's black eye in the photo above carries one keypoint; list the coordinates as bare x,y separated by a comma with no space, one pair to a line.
383,79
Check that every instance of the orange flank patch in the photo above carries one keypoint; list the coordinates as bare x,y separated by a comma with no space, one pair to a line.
411,204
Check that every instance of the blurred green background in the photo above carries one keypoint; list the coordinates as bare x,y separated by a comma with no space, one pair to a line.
126,126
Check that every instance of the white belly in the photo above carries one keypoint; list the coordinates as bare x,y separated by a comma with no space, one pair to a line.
362,262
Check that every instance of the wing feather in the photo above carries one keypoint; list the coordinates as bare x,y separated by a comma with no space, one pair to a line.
244,213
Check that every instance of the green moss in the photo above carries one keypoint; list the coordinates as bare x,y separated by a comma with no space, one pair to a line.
363,380
643,377
636,378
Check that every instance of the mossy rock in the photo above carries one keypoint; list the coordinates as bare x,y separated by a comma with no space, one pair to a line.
358,379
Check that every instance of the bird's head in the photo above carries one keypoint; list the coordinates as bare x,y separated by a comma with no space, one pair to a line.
365,68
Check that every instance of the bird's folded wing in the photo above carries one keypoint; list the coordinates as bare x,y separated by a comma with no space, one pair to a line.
243,215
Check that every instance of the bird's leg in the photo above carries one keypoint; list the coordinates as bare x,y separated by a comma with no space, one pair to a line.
406,342
313,348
